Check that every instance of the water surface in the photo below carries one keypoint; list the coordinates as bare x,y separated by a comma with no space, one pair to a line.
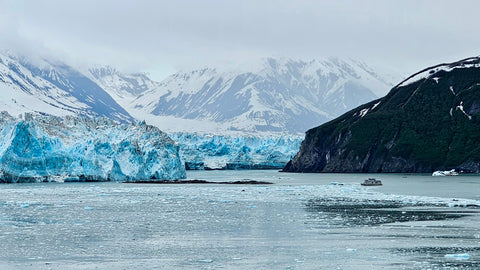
302,221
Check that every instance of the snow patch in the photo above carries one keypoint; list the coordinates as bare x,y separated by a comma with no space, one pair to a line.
451,89
364,112
432,71
460,107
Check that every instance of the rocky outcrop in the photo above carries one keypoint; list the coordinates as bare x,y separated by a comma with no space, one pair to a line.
428,122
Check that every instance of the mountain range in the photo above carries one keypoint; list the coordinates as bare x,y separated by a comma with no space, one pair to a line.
53,88
428,122
271,95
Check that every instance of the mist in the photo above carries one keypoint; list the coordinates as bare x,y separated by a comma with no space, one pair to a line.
163,36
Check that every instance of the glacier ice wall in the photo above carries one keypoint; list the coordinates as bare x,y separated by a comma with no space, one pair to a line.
206,151
48,148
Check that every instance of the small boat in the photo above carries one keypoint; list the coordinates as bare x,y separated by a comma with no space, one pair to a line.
445,173
371,182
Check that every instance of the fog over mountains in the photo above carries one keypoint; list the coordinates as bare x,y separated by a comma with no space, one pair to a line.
269,95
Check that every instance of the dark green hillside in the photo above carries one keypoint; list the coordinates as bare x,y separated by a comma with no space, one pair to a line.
426,123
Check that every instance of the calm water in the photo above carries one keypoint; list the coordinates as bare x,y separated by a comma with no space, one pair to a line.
303,221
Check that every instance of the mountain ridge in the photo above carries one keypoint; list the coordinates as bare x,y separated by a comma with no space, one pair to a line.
53,88
427,122
271,96
281,96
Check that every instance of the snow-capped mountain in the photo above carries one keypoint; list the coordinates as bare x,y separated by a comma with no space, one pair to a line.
122,87
241,106
271,95
53,88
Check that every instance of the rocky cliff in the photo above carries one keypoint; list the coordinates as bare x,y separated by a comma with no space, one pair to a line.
428,122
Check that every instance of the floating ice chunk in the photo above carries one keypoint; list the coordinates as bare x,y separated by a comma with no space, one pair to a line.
335,184
88,208
460,256
206,261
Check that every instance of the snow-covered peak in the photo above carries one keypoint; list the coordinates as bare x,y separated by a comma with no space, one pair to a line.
271,94
268,95
52,88
431,72
189,81
122,87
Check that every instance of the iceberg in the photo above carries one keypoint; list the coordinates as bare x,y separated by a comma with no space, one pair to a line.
207,151
445,173
43,148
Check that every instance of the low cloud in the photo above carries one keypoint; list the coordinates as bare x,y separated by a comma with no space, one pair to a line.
164,35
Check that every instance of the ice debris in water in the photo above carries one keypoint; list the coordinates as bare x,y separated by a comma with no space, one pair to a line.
206,261
335,184
47,148
355,194
461,256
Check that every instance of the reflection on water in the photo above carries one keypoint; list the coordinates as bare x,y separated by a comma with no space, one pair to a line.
300,222
348,212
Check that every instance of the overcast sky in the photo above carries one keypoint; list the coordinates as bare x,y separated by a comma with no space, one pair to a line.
163,36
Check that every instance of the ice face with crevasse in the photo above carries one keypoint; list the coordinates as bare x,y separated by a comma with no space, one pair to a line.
206,151
38,148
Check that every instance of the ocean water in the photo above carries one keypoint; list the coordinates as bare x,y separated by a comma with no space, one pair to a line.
302,221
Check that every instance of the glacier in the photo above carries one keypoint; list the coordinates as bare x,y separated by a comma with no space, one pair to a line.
44,148
218,152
